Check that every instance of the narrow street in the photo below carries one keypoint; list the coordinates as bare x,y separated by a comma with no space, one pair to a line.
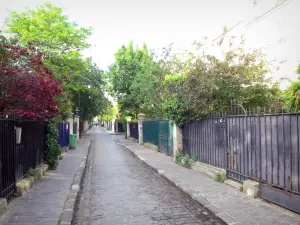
121,189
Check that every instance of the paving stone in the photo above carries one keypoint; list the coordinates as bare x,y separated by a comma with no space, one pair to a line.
67,215
230,204
119,188
43,203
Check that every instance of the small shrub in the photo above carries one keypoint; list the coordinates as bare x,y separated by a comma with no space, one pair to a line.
194,158
241,189
61,157
182,160
178,156
186,161
32,172
53,149
219,178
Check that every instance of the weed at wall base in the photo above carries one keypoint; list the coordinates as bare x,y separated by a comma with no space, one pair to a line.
220,178
184,160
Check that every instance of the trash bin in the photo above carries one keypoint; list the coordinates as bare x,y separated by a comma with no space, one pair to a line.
73,141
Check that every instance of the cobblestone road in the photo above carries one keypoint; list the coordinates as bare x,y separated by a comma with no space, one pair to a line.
121,189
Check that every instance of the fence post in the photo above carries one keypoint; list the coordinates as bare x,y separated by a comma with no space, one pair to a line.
177,139
141,118
113,128
76,119
128,119
70,121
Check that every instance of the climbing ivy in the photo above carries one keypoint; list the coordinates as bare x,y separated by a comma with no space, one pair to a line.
53,150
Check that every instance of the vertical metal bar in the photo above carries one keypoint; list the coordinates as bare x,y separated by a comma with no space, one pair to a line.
291,154
208,142
226,142
205,142
284,184
298,153
213,137
202,140
244,132
239,147
211,142
260,151
271,131
200,127
231,140
266,149
247,146
277,129
255,143
197,139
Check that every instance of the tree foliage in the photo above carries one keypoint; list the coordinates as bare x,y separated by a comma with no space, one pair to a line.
136,81
49,29
88,92
188,86
27,87
53,150
110,112
209,84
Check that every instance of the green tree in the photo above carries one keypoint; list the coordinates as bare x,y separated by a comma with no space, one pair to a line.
61,41
136,80
88,92
109,113
209,84
292,94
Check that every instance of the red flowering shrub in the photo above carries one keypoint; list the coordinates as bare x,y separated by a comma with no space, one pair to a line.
27,87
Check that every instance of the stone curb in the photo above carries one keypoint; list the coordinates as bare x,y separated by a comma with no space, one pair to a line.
25,184
68,209
225,217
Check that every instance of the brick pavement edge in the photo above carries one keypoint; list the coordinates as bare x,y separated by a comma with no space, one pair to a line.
72,197
188,190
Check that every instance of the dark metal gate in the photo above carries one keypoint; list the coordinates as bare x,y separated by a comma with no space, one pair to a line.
7,157
263,147
165,137
207,140
159,133
134,130
18,155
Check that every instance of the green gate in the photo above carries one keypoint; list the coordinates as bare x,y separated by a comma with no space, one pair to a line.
165,137
159,133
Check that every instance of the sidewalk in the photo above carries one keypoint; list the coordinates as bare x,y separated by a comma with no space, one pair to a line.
114,133
43,203
229,204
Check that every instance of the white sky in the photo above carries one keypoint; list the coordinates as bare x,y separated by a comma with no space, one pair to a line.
155,22
161,22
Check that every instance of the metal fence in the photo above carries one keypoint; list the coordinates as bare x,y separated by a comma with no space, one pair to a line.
151,132
159,133
207,140
134,130
63,134
118,126
263,147
7,149
30,152
17,157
